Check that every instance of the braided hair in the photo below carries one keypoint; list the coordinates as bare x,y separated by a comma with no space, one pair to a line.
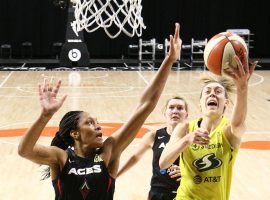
62,138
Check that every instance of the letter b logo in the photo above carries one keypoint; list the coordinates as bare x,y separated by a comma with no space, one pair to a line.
74,55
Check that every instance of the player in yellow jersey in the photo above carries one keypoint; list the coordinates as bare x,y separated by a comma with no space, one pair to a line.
208,145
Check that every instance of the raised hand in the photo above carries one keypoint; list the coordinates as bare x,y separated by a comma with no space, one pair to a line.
175,44
242,73
48,98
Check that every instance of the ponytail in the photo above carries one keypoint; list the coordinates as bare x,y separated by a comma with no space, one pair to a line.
58,141
62,138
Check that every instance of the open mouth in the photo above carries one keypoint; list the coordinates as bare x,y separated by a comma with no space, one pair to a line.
99,135
212,104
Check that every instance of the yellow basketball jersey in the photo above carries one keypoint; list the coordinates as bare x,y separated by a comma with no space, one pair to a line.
207,169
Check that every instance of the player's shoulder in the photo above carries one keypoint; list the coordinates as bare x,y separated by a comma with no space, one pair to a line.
154,132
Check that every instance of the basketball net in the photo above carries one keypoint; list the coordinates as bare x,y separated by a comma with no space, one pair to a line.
125,15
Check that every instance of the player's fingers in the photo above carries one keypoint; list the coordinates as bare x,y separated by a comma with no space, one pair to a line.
177,30
252,68
241,66
57,87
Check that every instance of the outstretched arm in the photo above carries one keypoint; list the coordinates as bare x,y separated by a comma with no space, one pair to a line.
179,142
145,144
28,147
240,76
123,137
174,147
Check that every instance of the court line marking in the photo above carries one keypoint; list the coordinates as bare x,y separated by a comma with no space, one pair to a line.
109,96
147,125
6,142
131,145
261,79
20,123
5,80
117,96
82,87
143,78
147,83
137,143
85,78
125,89
49,77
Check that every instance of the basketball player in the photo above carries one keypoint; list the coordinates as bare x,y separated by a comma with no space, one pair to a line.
208,151
88,169
164,183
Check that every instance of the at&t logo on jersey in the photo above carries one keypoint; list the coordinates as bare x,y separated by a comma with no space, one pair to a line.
85,171
208,179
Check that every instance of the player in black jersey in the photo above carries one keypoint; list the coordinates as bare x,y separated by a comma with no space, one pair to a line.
164,183
87,171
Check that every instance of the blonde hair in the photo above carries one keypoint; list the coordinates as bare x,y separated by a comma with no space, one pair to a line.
225,82
175,97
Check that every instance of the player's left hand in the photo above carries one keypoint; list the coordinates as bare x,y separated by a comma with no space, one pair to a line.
242,73
175,172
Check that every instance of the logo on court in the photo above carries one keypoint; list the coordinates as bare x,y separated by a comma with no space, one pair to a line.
74,55
207,162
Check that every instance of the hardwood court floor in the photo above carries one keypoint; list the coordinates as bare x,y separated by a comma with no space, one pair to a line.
110,96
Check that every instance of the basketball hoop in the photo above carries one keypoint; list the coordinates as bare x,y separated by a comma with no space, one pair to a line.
114,16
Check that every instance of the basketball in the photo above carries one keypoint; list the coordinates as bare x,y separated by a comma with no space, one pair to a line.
221,49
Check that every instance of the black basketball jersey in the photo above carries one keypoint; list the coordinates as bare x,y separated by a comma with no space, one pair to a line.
84,179
161,180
